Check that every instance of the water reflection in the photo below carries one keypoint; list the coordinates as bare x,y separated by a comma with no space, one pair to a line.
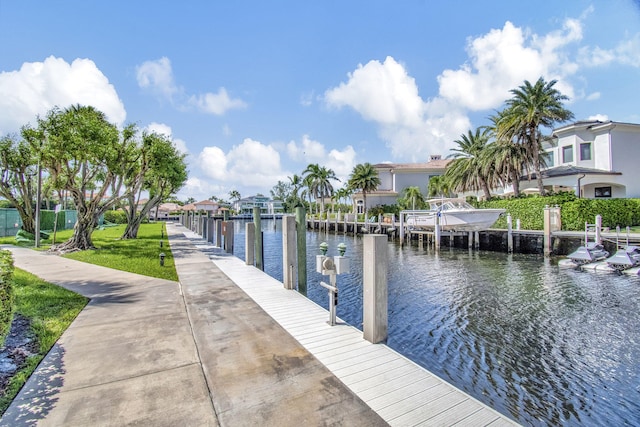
542,345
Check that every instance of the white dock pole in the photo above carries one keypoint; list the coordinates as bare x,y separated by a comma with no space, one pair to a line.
547,231
289,254
476,240
436,232
249,243
509,234
375,288
470,240
598,229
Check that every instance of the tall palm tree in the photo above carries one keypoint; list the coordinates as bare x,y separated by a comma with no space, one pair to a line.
318,179
509,158
469,171
343,193
530,108
364,177
296,185
414,195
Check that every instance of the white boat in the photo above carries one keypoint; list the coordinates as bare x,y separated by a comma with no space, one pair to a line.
452,214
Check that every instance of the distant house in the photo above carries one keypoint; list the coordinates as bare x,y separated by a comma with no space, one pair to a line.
266,205
395,177
207,205
593,158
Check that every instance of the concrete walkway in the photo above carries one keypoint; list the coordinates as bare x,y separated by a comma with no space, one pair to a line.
153,352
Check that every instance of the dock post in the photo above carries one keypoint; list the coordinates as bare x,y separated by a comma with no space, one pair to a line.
476,240
375,296
509,234
547,231
289,260
598,229
470,240
258,238
210,229
249,238
227,230
301,243
218,242
436,232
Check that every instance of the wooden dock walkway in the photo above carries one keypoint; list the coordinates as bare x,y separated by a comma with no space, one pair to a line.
400,391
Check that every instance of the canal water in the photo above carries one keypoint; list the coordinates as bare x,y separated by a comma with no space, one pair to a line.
542,345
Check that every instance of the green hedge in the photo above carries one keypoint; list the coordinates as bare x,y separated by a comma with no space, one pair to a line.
115,217
6,293
575,212
48,218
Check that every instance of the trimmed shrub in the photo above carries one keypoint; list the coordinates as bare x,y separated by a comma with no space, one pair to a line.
6,293
115,217
575,212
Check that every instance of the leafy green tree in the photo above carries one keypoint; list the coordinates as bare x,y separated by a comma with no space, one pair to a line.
531,108
18,166
84,155
413,197
468,171
159,169
296,183
282,192
364,178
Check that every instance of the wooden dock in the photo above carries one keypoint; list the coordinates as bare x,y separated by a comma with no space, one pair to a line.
400,391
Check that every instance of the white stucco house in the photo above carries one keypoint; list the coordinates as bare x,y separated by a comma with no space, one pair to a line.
593,158
395,177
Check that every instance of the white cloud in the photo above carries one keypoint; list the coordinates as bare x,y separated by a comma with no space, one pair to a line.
382,92
199,189
39,86
503,58
593,96
386,94
163,129
626,52
216,103
157,76
310,151
601,117
252,165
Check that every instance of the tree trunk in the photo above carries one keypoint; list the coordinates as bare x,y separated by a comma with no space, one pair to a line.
515,183
81,238
131,231
485,189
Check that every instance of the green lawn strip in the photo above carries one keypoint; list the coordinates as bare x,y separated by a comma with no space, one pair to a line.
50,309
141,255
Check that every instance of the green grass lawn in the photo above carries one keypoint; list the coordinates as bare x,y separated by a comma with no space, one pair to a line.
50,309
141,255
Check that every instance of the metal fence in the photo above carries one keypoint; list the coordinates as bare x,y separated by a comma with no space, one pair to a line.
10,221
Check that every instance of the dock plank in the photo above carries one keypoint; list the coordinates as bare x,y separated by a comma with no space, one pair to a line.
400,391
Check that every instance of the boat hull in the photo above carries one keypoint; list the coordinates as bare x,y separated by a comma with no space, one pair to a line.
463,220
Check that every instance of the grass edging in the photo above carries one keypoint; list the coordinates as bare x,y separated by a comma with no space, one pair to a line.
50,310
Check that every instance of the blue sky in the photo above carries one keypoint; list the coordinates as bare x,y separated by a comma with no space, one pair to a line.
254,91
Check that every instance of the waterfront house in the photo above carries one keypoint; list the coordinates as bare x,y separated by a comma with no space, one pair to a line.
395,177
267,206
593,158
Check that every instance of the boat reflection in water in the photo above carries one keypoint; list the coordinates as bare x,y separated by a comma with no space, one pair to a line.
542,345
452,214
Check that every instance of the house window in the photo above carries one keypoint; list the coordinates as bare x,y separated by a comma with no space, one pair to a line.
549,159
567,154
603,192
585,151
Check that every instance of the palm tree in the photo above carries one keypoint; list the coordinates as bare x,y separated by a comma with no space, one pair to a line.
364,177
414,195
530,108
318,180
469,170
296,185
438,186
235,195
509,158
343,193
